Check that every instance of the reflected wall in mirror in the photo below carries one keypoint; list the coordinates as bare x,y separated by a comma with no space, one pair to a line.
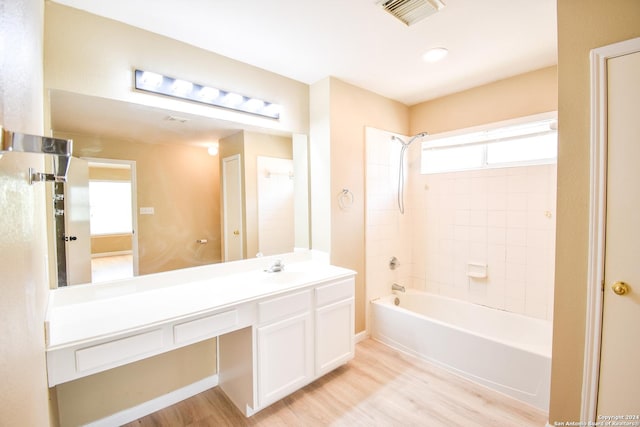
179,211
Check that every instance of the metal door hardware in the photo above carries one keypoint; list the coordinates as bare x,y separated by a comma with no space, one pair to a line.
620,288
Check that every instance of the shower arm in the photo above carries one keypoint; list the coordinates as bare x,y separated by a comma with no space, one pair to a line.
413,138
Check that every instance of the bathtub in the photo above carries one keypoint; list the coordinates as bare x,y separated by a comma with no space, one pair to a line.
507,352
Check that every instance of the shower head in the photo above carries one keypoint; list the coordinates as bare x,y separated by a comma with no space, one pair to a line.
420,135
413,138
405,146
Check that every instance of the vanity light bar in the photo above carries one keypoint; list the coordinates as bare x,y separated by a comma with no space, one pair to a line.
176,88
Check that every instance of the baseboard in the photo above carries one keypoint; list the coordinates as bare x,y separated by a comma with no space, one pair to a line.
361,336
156,404
109,254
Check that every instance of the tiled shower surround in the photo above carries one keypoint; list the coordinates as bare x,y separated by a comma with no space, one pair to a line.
503,218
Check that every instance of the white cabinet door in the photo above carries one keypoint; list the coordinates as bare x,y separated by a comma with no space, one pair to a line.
285,357
334,335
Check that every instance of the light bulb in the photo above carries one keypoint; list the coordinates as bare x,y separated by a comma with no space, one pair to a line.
152,80
233,99
213,149
181,87
209,93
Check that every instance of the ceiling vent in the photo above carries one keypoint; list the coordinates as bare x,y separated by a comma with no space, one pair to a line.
411,11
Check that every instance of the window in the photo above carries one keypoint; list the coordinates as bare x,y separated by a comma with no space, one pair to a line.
528,143
443,159
110,207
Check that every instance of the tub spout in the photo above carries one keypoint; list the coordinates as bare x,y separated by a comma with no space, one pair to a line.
396,287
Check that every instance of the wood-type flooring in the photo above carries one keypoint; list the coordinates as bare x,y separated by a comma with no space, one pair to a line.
379,387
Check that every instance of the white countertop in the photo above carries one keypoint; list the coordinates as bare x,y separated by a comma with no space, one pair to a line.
85,313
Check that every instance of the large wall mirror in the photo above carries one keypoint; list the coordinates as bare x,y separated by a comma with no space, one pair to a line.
152,190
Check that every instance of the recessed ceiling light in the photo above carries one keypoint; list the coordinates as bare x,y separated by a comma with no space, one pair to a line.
435,54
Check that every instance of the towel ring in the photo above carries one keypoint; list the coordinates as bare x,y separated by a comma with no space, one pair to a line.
345,199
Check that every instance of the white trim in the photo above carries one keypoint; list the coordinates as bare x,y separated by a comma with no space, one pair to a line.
428,141
156,404
360,336
110,254
597,215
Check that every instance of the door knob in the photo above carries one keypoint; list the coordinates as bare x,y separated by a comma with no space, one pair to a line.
236,233
620,288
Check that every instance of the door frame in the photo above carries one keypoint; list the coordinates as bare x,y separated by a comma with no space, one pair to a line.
597,218
134,205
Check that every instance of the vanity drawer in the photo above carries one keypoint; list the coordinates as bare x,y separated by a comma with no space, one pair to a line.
115,352
206,327
337,291
283,307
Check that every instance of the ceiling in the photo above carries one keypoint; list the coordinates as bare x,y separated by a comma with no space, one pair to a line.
356,41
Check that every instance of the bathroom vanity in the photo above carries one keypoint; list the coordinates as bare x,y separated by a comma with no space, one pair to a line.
277,331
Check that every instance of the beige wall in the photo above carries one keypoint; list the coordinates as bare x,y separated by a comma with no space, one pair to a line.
582,26
23,265
95,56
182,184
351,109
109,174
106,393
522,95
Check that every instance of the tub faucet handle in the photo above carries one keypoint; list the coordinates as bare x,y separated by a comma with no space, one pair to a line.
393,263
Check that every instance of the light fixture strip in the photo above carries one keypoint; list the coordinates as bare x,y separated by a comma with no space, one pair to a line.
177,88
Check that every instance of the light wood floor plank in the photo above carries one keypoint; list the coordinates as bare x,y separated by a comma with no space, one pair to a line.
380,387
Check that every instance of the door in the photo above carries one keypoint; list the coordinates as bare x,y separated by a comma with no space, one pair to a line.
232,208
76,213
620,346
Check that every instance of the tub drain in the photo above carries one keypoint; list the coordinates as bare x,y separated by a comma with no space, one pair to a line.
396,301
